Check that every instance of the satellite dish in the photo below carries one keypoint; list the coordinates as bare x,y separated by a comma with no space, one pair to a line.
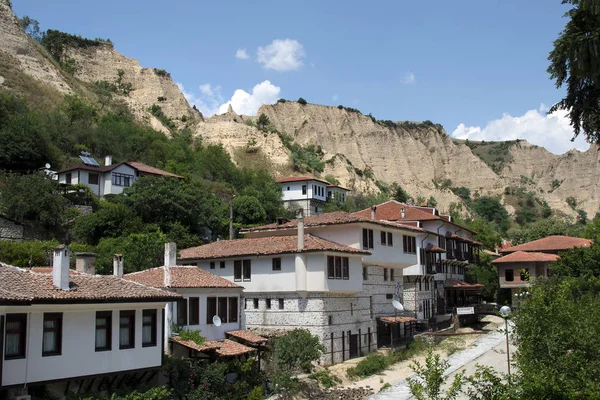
47,165
217,320
397,305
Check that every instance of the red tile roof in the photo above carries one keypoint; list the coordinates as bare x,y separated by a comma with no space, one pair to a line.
247,336
223,348
395,320
300,179
526,256
457,284
141,167
263,246
391,211
146,169
550,243
188,276
434,249
17,284
334,218
463,239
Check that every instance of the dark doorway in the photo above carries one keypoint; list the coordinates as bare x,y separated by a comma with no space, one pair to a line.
353,346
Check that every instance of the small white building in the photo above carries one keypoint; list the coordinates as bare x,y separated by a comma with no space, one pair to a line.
64,330
329,273
204,296
111,178
309,194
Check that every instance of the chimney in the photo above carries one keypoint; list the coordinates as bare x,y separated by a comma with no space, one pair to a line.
85,263
300,229
118,265
108,160
374,213
60,267
410,202
170,254
402,213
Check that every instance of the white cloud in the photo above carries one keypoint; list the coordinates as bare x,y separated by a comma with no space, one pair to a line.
281,55
336,97
241,54
243,102
550,131
409,78
211,102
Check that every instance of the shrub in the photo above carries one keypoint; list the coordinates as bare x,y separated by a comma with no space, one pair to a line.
296,348
325,378
157,111
161,98
189,335
572,202
161,72
258,393
302,101
385,386
281,101
462,192
373,364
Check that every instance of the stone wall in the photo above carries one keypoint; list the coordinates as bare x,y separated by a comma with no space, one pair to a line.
10,230
419,295
310,206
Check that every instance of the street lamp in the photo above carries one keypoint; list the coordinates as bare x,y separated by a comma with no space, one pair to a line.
504,312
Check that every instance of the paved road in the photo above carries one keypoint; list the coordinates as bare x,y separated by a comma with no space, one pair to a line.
488,350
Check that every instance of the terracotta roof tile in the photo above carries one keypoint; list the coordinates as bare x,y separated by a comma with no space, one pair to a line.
17,284
223,348
550,243
188,276
457,284
434,249
247,336
395,320
134,164
151,170
334,218
526,256
300,179
263,246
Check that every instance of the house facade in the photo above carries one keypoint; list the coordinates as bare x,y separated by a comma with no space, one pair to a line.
435,285
309,194
329,273
111,178
65,330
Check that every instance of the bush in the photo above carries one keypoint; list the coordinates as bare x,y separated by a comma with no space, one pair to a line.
157,111
297,348
572,202
161,72
161,98
463,192
281,101
302,101
325,378
258,393
373,364
27,254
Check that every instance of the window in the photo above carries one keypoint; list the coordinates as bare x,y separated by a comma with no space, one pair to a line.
93,178
281,304
276,264
68,178
16,330
222,312
389,296
367,238
385,274
268,301
365,274
383,238
194,316
52,339
233,309
247,270
410,244
509,275
330,320
256,304
211,309
127,330
442,242
103,330
222,264
149,328
182,312
237,270
391,274
122,179
212,265
338,267
304,189
390,239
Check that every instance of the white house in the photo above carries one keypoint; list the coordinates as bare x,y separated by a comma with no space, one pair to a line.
436,284
65,330
309,194
204,296
111,178
329,273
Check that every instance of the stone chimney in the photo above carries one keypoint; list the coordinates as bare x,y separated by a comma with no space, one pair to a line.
118,265
402,213
300,229
170,254
108,160
374,213
85,263
60,267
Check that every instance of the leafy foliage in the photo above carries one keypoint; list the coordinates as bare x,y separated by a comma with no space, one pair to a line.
430,379
297,348
162,73
325,378
302,101
157,111
248,210
491,209
462,192
32,28
187,334
57,42
485,273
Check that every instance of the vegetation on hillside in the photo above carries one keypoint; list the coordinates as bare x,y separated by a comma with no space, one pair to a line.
495,154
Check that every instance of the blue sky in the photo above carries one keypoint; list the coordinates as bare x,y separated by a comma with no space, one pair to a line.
481,64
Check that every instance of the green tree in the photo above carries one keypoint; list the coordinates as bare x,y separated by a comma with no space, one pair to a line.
298,348
263,121
430,379
140,252
463,192
32,28
491,209
247,210
110,221
400,194
541,229
302,101
485,273
575,61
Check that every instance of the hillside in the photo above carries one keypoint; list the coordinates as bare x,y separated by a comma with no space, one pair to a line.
363,154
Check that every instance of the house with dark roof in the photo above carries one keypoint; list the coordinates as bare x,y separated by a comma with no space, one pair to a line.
110,178
309,194
64,330
204,296
521,263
